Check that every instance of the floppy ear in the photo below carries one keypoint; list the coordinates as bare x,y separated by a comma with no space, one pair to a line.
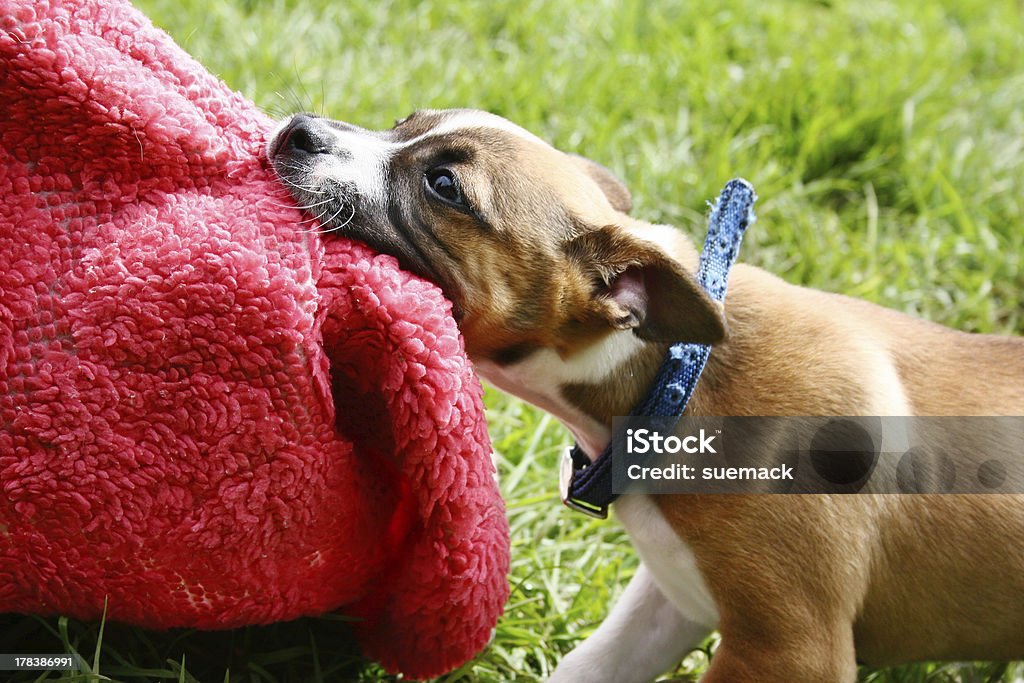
640,287
614,189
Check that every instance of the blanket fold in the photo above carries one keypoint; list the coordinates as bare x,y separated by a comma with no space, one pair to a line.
210,414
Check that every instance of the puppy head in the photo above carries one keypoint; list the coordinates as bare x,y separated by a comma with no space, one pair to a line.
533,246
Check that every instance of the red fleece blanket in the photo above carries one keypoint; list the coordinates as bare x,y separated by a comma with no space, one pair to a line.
210,415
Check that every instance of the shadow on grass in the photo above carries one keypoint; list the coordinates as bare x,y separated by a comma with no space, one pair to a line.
308,649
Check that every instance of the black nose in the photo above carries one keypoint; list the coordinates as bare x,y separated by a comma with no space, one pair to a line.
305,134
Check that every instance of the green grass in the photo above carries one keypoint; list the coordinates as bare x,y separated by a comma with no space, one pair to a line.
886,140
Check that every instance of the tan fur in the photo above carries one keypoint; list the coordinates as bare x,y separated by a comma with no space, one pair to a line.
800,579
807,584
877,574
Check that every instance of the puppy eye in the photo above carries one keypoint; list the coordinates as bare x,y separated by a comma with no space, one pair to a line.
443,183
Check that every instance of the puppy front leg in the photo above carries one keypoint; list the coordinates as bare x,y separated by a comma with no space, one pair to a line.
644,636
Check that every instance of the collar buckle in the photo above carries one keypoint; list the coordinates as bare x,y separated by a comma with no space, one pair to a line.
566,470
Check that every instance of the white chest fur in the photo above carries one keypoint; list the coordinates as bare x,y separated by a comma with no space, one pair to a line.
668,558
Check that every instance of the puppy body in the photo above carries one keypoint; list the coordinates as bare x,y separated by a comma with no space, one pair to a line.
803,587
568,302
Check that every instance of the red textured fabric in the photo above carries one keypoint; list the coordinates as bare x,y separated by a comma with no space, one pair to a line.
209,415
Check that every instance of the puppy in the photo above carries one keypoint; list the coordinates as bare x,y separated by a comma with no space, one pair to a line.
568,302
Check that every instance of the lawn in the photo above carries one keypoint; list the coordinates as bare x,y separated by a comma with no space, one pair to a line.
886,140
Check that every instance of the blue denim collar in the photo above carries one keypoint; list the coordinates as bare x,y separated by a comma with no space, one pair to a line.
587,487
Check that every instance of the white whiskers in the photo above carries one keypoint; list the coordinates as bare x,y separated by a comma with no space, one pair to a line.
318,196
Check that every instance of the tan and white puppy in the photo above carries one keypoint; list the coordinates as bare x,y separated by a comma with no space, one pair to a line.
568,302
